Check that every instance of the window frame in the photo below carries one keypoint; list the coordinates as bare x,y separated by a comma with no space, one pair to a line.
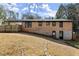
28,24
60,24
40,23
47,23
53,23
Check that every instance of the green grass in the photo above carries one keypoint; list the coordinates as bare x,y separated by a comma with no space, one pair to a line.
73,43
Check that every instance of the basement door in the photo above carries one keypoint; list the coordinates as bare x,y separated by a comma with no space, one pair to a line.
54,34
60,34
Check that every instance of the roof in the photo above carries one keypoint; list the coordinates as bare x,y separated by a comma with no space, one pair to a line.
33,20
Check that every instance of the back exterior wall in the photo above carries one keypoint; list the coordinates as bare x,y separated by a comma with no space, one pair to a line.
47,30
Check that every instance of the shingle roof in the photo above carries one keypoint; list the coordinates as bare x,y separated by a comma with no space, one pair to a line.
37,20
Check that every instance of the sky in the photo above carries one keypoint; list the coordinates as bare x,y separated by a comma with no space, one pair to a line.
42,9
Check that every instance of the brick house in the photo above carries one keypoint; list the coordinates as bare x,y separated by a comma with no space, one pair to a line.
57,28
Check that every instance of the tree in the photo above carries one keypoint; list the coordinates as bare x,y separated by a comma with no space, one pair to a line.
2,14
17,15
71,10
61,13
12,15
30,16
72,14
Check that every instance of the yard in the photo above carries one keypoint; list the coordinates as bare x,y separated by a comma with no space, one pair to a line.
32,44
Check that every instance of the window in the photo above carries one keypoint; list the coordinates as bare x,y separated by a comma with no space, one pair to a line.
25,24
47,23
39,23
53,23
28,24
60,24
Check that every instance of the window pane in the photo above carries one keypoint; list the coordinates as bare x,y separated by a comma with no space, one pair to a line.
53,23
25,24
39,23
61,24
28,24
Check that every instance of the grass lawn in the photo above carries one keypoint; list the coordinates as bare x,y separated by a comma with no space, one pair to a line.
73,43
18,44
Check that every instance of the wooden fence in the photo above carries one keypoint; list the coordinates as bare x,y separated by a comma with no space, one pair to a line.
10,28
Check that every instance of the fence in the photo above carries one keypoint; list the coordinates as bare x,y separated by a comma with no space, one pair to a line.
10,28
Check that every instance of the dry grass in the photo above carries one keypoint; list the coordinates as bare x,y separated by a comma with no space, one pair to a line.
24,44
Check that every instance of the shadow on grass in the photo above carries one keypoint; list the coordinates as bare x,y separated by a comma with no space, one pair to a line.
46,37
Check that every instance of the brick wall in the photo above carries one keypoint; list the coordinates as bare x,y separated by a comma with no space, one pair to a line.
47,30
